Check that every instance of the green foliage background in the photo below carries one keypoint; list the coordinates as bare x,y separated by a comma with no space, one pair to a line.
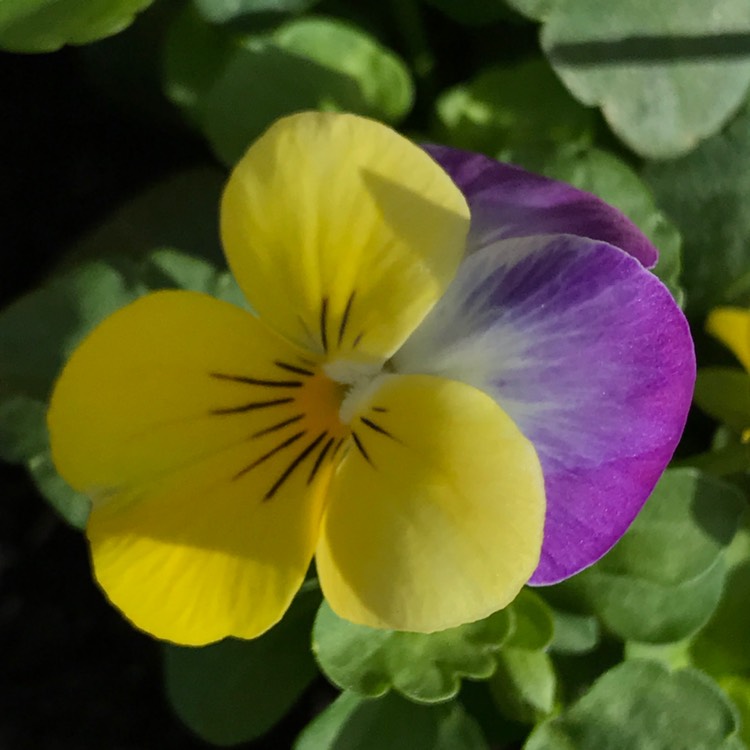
643,102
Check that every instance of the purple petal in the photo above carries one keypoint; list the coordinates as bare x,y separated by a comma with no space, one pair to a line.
507,201
591,357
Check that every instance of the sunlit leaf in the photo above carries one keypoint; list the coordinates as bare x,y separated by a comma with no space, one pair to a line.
221,11
423,667
309,63
665,75
46,25
517,114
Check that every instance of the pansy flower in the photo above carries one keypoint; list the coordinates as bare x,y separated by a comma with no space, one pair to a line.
731,326
459,378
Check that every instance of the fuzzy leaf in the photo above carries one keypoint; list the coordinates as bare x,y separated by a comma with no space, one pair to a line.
424,667
663,580
641,705
666,74
390,722
524,684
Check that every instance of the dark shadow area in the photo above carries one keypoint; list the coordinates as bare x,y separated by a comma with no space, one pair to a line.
652,49
74,675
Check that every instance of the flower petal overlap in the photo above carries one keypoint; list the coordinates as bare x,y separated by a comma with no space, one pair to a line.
507,201
589,355
437,432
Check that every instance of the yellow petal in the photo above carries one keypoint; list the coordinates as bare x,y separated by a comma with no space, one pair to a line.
436,514
342,233
731,325
188,422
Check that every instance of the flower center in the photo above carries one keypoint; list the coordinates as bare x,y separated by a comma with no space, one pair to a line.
358,382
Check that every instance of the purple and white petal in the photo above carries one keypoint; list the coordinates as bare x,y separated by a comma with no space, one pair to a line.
508,201
589,354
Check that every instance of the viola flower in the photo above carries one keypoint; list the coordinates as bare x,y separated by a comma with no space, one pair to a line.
438,410
731,326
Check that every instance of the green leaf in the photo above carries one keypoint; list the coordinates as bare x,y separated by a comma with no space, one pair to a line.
390,722
707,194
46,25
532,622
738,690
524,684
723,646
574,634
23,432
723,461
310,63
612,180
665,76
73,506
724,393
39,330
663,579
423,667
233,691
672,655
641,705
195,54
222,11
514,114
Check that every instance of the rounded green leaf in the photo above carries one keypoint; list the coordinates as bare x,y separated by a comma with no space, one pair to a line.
310,63
39,330
641,705
221,11
723,646
533,624
424,667
233,691
666,74
390,722
73,506
514,114
663,579
195,54
724,393
524,684
738,690
46,25
574,634
707,194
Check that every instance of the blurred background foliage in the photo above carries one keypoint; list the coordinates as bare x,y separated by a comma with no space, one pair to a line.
121,120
